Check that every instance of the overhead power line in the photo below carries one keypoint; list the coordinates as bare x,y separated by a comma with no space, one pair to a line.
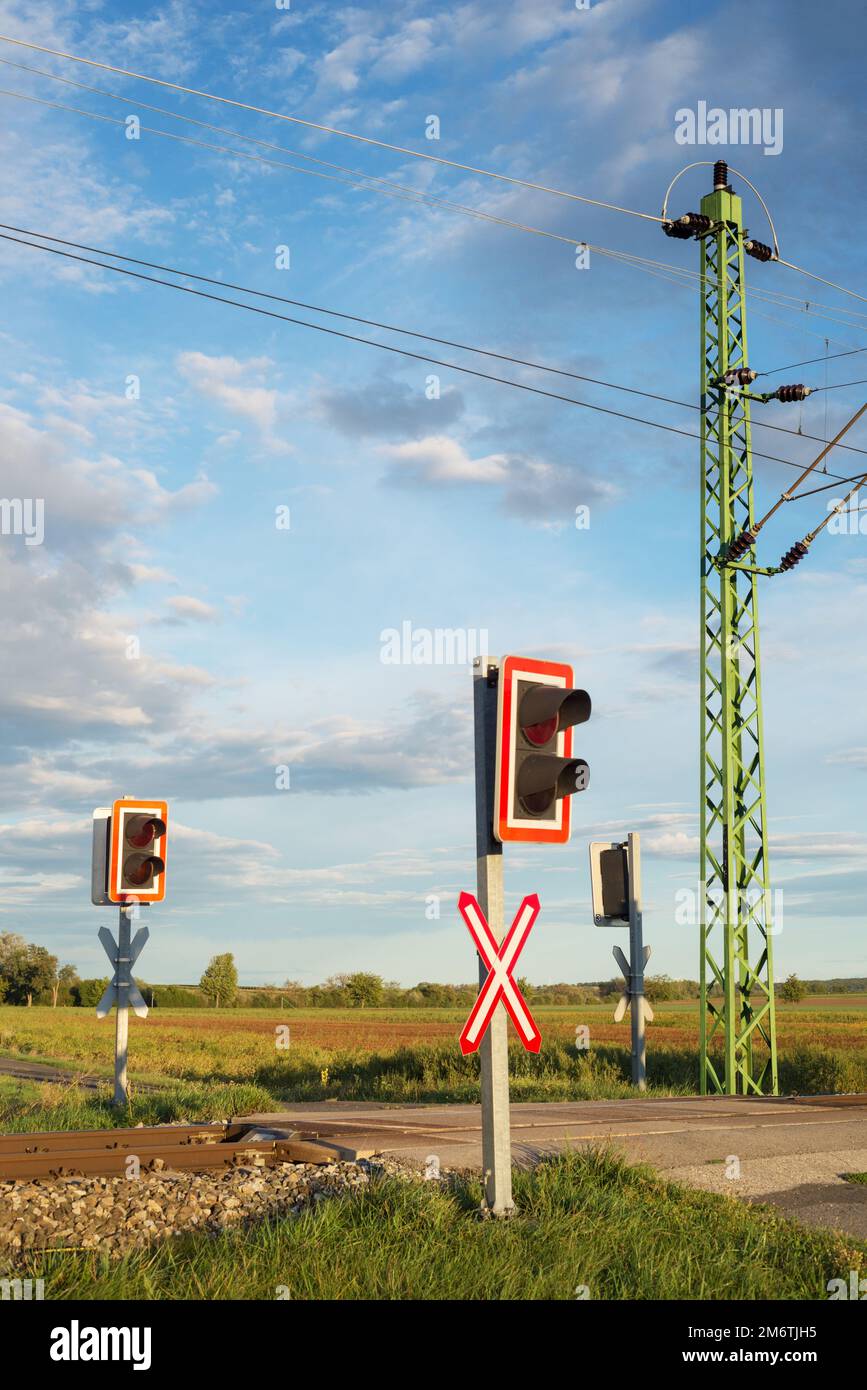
329,130
826,487
368,342
838,385
373,183
811,361
392,190
407,332
364,179
789,494
385,145
821,279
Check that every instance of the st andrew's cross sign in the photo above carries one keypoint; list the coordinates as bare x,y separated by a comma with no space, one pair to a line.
500,984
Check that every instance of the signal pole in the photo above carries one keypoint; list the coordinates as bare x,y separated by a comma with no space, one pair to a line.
122,990
494,1047
735,914
121,1032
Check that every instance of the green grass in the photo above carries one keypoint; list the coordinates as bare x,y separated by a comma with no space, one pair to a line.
208,1064
418,1074
26,1106
585,1218
856,1177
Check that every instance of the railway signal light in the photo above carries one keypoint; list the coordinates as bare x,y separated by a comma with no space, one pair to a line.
609,883
138,836
536,774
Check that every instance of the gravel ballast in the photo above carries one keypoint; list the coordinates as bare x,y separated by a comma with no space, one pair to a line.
117,1214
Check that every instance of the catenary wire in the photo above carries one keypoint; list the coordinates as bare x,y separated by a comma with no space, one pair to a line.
386,145
375,184
661,270
810,361
386,347
838,385
328,130
408,332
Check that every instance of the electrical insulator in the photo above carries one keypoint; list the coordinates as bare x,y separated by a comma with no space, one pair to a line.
792,393
740,376
794,556
699,222
739,547
743,376
678,229
759,250
691,224
720,174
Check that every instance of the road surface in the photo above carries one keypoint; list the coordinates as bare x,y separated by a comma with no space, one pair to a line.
790,1151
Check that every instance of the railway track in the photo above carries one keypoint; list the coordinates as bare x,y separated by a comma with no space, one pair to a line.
107,1152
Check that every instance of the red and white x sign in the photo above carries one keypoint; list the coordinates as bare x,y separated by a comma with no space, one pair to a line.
500,984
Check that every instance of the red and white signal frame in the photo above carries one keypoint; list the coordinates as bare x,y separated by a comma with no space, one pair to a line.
507,826
120,813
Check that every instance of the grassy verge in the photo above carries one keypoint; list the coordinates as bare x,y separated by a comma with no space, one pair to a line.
585,1219
26,1106
424,1073
407,1056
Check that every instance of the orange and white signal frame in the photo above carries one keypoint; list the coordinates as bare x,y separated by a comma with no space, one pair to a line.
120,813
507,826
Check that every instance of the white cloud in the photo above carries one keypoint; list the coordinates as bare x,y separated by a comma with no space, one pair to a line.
440,459
86,496
151,574
189,609
227,380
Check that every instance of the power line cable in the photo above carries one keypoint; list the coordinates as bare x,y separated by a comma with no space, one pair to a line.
328,130
386,145
357,177
821,279
789,494
826,487
387,187
811,361
408,332
368,342
392,190
838,386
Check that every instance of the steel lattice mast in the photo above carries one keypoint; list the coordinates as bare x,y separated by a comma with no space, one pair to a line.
735,911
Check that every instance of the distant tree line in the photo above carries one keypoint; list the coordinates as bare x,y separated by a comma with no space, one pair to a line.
29,974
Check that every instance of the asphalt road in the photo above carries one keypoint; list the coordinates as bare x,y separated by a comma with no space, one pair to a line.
792,1152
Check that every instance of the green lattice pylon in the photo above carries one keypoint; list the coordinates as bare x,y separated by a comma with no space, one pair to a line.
737,1022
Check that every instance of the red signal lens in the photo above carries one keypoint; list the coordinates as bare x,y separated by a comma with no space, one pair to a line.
141,831
139,869
538,734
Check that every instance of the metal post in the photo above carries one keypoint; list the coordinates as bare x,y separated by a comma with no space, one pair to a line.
121,1036
737,1037
493,1052
636,960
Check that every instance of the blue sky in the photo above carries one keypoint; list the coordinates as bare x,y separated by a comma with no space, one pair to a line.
260,647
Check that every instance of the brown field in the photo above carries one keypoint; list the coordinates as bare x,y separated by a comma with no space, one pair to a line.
240,1045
